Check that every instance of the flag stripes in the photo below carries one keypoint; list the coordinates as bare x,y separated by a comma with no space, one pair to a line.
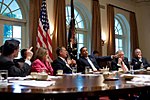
43,36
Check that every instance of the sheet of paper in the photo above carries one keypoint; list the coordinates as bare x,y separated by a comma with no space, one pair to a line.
140,80
34,83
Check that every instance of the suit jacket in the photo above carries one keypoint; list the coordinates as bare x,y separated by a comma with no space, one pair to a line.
114,63
137,64
19,62
39,66
59,64
82,62
12,67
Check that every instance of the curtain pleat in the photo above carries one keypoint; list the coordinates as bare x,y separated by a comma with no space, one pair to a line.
111,30
59,35
96,27
133,33
34,13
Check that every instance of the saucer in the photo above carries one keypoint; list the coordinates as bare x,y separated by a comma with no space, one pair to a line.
111,79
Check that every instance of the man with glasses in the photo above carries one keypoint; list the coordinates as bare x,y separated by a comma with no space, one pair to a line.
138,61
120,62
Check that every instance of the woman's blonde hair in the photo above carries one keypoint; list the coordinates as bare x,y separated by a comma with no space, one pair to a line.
40,53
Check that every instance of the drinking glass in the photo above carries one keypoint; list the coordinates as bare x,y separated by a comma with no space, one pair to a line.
131,69
74,70
3,77
59,72
87,69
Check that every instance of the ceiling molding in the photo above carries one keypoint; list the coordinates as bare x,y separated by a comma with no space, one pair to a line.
140,1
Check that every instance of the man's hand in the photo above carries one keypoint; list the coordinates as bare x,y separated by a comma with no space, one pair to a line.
29,53
71,62
139,56
119,61
114,56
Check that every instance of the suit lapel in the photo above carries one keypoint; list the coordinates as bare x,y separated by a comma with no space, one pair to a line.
65,63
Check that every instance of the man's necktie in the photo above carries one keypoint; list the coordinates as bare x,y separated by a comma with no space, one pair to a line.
92,65
67,64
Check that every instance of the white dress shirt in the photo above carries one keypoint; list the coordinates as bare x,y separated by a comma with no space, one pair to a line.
92,65
65,62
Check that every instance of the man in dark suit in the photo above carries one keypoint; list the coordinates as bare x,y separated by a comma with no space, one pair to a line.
120,62
138,61
9,52
21,60
1,48
23,56
88,60
61,63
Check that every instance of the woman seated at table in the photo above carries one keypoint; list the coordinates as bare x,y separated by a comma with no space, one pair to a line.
120,62
42,62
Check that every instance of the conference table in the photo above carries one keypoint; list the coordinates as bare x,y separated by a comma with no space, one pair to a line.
73,87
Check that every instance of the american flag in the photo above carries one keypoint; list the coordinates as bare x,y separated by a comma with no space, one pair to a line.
43,37
72,42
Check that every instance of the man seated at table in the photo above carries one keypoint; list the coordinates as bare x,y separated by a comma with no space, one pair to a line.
139,62
95,53
120,62
9,52
23,55
62,63
1,48
20,61
88,60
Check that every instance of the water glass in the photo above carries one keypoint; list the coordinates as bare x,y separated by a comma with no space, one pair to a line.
74,70
131,69
3,77
60,72
87,69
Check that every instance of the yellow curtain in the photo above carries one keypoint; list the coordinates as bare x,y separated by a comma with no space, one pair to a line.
133,33
111,32
96,27
59,35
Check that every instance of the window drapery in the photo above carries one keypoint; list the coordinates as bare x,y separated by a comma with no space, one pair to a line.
111,30
34,13
59,35
134,33
96,27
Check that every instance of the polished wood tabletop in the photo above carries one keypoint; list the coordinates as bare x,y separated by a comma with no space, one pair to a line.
72,86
